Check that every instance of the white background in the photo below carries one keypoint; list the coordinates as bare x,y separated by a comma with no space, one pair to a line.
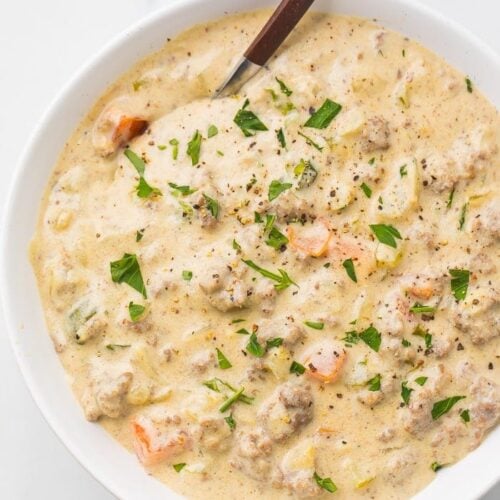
42,43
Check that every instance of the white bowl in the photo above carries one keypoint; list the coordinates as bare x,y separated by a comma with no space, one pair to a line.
99,453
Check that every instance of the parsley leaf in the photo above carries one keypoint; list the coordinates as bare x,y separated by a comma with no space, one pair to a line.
444,406
317,325
297,368
236,246
450,198
324,115
139,234
284,88
143,189
237,396
281,137
253,347
276,239
175,148
187,275
194,148
418,308
465,416
212,131
403,171
183,190
310,142
248,122
468,84
135,311
243,331
230,422
224,363
212,206
374,383
367,190
178,467
421,380
405,393
112,347
127,270
282,279
326,483
461,220
275,342
276,188
371,337
436,466
386,234
351,338
349,268
459,282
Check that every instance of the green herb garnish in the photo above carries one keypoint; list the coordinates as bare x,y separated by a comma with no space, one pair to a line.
194,148
421,380
461,220
316,325
418,308
297,368
187,275
371,337
405,393
459,282
139,234
212,130
112,347
276,188
465,416
367,190
468,84
325,482
281,137
236,246
444,406
212,206
224,363
324,115
175,148
237,396
276,239
403,171
127,270
386,234
253,347
282,279
135,311
230,422
275,342
178,467
348,265
248,122
310,142
284,89
374,383
450,198
143,189
351,338
435,466
183,190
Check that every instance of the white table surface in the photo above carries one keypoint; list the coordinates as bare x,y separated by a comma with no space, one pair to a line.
42,43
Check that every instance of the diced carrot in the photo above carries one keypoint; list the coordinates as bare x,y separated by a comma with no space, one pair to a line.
312,240
152,450
422,291
127,128
324,361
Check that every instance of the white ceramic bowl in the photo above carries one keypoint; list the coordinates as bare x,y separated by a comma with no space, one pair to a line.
101,455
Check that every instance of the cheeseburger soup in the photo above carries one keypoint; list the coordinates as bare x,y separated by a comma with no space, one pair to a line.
291,292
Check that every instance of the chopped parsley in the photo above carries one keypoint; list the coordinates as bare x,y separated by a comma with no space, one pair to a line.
224,363
276,239
367,190
310,142
212,206
139,234
178,467
183,190
194,148
143,189
276,188
325,482
405,393
386,234
371,337
406,343
444,406
421,380
402,170
371,161
465,415
237,396
351,338
275,342
248,122
468,84
450,198
243,331
436,466
175,148
418,308
253,347
297,368
461,220
374,383
162,147
112,347
230,422
349,268
187,275
316,325
459,282
420,332
324,115
127,270
135,311
281,137
284,89
236,246
282,279
212,131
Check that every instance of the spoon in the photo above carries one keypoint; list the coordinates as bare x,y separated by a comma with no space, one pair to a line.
271,36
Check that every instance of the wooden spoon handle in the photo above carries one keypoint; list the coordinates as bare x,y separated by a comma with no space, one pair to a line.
281,23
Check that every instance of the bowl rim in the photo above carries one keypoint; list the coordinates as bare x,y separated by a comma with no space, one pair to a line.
22,167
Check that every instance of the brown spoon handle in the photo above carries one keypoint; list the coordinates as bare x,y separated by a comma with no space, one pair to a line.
281,23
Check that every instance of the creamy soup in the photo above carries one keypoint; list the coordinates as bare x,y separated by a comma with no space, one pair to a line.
287,292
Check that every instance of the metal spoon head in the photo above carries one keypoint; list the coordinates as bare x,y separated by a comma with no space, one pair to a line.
242,72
